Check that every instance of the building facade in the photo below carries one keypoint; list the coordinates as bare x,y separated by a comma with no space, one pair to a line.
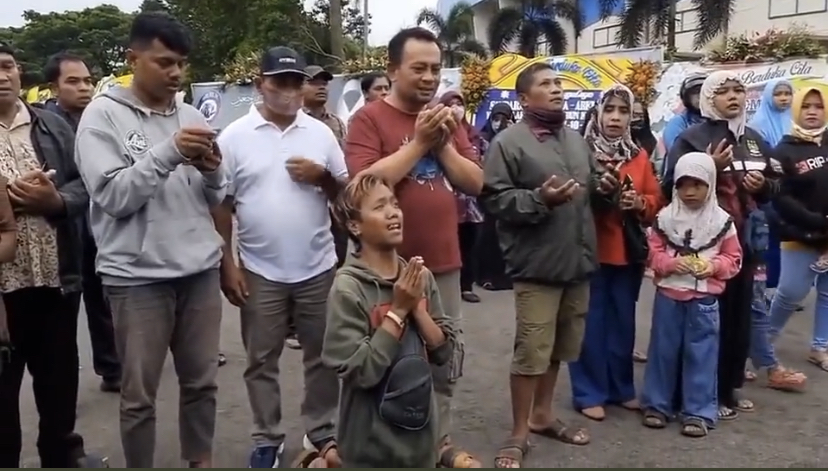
599,36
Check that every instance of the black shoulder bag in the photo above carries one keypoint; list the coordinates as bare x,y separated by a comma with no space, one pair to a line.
405,392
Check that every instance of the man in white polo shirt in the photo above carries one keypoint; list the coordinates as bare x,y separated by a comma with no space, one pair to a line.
284,166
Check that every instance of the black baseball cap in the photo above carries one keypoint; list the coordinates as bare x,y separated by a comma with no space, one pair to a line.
315,71
282,60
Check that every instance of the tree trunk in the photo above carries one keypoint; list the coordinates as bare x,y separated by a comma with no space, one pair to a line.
337,39
671,28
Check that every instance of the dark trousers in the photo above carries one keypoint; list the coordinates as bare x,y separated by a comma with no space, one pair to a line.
734,335
43,325
98,317
490,267
467,232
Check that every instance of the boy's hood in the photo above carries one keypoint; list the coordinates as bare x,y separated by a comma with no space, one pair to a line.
358,270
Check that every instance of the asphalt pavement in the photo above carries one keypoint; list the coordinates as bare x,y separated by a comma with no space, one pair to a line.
786,431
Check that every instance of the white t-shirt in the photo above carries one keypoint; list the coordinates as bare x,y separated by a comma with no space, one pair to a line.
284,228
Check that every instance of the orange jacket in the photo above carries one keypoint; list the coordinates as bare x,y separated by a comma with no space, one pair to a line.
611,249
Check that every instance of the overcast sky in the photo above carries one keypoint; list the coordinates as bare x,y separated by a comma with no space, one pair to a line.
388,15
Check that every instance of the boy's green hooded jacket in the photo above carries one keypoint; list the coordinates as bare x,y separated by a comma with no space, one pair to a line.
361,355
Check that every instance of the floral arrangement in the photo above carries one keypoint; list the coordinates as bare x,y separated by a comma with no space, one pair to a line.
242,69
375,61
772,45
474,81
641,79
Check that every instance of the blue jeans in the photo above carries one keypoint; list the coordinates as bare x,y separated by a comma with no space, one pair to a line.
603,373
683,355
795,281
762,354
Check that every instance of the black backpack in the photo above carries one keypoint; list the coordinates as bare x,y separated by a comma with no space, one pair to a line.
405,392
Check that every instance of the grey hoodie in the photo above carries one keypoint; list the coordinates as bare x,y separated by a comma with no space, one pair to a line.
149,214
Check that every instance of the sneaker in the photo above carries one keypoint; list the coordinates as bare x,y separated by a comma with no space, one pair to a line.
293,343
267,456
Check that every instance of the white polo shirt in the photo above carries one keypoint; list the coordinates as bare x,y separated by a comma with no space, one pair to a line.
284,228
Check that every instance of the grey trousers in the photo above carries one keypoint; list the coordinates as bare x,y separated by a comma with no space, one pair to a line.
264,323
182,315
448,284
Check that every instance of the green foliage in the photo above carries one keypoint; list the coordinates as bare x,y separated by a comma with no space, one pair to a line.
98,34
221,30
773,45
530,23
455,33
657,17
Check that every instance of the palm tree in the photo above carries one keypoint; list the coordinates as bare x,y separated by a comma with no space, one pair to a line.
660,15
337,37
455,33
531,23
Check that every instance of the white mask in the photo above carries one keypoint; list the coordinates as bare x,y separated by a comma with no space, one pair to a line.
459,111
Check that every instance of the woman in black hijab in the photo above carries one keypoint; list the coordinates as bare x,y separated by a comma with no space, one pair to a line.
491,268
642,134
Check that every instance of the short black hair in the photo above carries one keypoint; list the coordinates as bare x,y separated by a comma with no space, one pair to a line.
51,71
396,45
6,49
368,80
526,77
152,25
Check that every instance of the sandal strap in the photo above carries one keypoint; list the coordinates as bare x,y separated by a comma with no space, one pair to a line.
327,447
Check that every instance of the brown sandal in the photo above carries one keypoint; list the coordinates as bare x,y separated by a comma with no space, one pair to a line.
453,457
557,430
327,457
783,379
512,453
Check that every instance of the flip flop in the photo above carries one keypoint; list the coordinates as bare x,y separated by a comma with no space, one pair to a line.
557,430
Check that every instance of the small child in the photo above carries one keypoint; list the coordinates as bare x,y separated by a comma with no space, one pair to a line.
694,249
385,328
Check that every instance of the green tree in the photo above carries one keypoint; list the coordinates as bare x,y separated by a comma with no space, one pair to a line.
223,30
533,22
97,34
659,17
455,33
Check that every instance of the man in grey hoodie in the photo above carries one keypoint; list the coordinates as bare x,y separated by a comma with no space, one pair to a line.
153,172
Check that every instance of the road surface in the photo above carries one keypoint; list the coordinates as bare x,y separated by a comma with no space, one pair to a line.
786,431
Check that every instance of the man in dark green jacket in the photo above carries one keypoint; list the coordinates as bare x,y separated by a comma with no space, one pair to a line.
538,184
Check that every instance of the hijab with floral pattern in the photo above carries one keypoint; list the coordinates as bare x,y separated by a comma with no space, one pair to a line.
617,149
712,84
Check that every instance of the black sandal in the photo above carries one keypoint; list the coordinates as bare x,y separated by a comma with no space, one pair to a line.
694,427
654,419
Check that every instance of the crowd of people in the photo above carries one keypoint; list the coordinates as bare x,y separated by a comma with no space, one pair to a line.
359,242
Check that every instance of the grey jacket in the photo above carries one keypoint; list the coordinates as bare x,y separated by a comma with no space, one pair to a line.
551,246
54,143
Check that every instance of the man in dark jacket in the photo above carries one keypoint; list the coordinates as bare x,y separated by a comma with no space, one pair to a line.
40,288
538,183
72,85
